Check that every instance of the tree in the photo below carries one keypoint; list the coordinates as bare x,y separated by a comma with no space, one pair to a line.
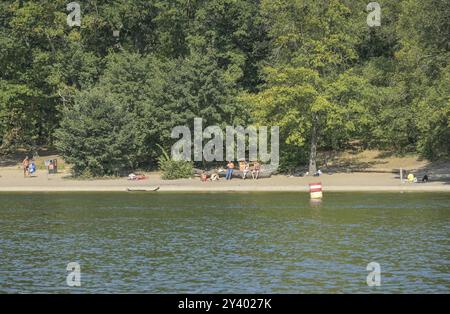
154,95
423,73
313,45
234,31
95,134
178,59
411,112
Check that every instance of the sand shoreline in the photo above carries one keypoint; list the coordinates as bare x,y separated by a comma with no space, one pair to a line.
226,190
379,174
13,181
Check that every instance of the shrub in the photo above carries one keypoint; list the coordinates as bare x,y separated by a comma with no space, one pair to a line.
174,169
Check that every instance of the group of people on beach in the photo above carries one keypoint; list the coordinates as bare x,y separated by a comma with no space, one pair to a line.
29,167
244,167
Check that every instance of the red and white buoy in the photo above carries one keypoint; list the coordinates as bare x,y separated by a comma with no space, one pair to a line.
315,189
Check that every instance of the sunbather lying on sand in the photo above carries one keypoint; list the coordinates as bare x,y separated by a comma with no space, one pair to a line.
138,177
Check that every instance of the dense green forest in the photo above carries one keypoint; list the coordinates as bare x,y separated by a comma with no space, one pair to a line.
313,67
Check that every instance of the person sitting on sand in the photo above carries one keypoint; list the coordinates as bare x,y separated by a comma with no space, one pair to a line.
230,169
25,164
412,178
204,176
318,173
245,171
215,177
256,169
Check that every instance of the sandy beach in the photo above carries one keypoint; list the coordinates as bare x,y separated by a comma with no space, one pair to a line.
12,180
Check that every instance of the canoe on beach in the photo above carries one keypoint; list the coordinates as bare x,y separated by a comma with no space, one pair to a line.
150,189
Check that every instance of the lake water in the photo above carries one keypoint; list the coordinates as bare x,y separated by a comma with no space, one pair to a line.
224,242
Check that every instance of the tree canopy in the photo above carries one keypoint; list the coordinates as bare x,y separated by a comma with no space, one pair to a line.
315,68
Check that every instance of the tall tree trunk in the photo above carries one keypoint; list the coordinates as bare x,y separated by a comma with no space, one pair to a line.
313,152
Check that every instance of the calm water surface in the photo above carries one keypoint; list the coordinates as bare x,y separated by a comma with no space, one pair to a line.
223,243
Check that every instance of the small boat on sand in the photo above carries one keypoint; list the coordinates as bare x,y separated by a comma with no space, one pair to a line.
150,189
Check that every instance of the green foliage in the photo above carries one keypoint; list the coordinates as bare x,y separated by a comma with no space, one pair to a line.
140,84
200,88
332,79
234,32
154,95
174,169
312,67
412,108
434,143
94,135
310,91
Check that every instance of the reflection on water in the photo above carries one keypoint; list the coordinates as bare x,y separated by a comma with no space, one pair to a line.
315,202
215,242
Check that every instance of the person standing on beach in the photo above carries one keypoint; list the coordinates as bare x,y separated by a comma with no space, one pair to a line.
31,168
25,164
230,169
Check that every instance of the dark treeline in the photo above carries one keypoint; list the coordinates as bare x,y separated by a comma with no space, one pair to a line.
313,67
